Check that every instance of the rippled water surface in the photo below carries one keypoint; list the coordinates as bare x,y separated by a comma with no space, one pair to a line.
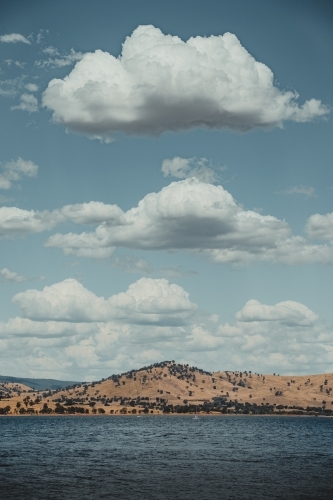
159,458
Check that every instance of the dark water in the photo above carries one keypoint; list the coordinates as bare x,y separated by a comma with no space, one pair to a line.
157,458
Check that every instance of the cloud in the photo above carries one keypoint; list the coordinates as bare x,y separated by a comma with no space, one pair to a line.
11,87
287,313
18,64
13,171
146,301
65,325
176,272
12,277
23,327
184,168
196,216
93,212
15,221
32,87
320,226
28,103
7,275
57,60
307,191
160,83
187,215
131,264
14,38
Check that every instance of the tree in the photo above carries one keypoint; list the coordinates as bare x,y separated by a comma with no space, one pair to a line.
26,401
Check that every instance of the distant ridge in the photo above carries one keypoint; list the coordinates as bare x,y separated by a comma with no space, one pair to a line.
40,384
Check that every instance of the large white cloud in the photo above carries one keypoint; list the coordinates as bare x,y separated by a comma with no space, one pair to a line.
196,216
160,83
147,301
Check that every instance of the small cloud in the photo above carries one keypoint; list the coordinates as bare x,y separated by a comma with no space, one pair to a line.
176,271
14,38
51,51
307,191
40,35
7,276
13,171
28,103
185,168
19,64
11,87
131,264
32,87
56,60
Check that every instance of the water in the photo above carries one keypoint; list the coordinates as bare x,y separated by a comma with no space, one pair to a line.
157,458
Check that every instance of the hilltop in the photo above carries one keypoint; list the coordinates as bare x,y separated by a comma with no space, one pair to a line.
169,387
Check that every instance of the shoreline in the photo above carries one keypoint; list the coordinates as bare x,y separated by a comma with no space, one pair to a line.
171,415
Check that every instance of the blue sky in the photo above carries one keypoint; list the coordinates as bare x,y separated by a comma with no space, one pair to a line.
165,186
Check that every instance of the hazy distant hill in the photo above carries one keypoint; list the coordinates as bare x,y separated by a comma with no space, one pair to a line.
40,384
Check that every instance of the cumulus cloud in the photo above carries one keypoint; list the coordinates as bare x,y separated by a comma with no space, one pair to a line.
93,212
32,87
146,301
70,327
320,226
15,221
161,83
13,171
14,38
24,327
307,191
196,216
7,276
28,102
289,313
184,168
11,276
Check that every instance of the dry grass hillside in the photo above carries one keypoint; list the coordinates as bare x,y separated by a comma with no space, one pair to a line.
169,387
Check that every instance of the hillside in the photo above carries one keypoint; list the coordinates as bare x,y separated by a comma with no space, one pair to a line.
169,387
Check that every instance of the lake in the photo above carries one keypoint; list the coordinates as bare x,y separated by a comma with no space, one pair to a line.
166,457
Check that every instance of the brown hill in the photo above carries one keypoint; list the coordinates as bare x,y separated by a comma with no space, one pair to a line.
168,386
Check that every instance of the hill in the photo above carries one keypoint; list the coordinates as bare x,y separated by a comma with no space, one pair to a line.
40,384
169,387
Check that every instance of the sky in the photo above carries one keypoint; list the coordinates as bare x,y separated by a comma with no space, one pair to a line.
166,186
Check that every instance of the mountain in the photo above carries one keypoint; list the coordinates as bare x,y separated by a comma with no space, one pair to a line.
39,384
